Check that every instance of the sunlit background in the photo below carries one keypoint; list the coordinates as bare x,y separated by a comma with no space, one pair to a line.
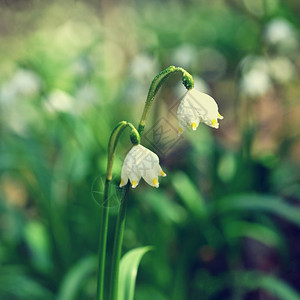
225,222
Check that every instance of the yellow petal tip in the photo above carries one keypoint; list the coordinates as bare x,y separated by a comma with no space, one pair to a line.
133,183
214,122
220,116
194,126
155,182
180,130
163,173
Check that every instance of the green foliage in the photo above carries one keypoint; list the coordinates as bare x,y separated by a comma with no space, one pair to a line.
265,203
273,285
128,272
76,278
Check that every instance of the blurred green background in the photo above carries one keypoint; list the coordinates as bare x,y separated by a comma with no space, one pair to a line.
225,222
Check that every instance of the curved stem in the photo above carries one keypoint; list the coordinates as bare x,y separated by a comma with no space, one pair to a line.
135,136
119,232
112,144
187,81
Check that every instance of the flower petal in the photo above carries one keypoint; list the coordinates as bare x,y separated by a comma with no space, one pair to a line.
197,107
152,178
220,116
124,177
159,171
141,162
155,182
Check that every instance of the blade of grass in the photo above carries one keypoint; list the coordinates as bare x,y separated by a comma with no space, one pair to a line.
266,203
275,286
74,278
128,271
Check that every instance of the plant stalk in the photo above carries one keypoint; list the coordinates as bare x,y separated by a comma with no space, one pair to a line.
117,249
117,131
102,244
135,136
157,82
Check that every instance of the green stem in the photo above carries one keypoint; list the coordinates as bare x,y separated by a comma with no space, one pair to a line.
117,249
135,136
157,82
102,245
112,144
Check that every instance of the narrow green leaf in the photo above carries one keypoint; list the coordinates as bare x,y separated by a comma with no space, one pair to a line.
259,232
189,193
275,286
75,277
267,203
128,271
165,208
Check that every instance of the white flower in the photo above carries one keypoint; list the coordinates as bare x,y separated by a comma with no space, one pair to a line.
196,107
141,162
60,101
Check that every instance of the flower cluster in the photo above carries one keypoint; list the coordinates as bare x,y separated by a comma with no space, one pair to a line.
194,108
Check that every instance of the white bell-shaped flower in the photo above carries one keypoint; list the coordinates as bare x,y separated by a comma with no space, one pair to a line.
141,162
196,107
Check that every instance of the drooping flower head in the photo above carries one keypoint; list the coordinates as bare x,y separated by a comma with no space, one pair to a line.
196,107
141,162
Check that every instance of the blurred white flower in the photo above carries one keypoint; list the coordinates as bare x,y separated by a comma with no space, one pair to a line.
141,162
15,99
281,69
196,107
184,55
142,67
140,70
60,101
255,79
281,33
253,62
255,83
24,83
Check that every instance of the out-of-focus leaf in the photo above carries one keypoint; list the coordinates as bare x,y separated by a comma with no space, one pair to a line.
148,293
273,285
16,284
259,232
166,209
128,271
271,204
189,194
75,277
227,167
38,242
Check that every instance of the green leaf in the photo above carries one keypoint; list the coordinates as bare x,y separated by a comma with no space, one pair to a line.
266,203
275,286
75,277
16,283
165,208
189,193
128,271
148,292
259,232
